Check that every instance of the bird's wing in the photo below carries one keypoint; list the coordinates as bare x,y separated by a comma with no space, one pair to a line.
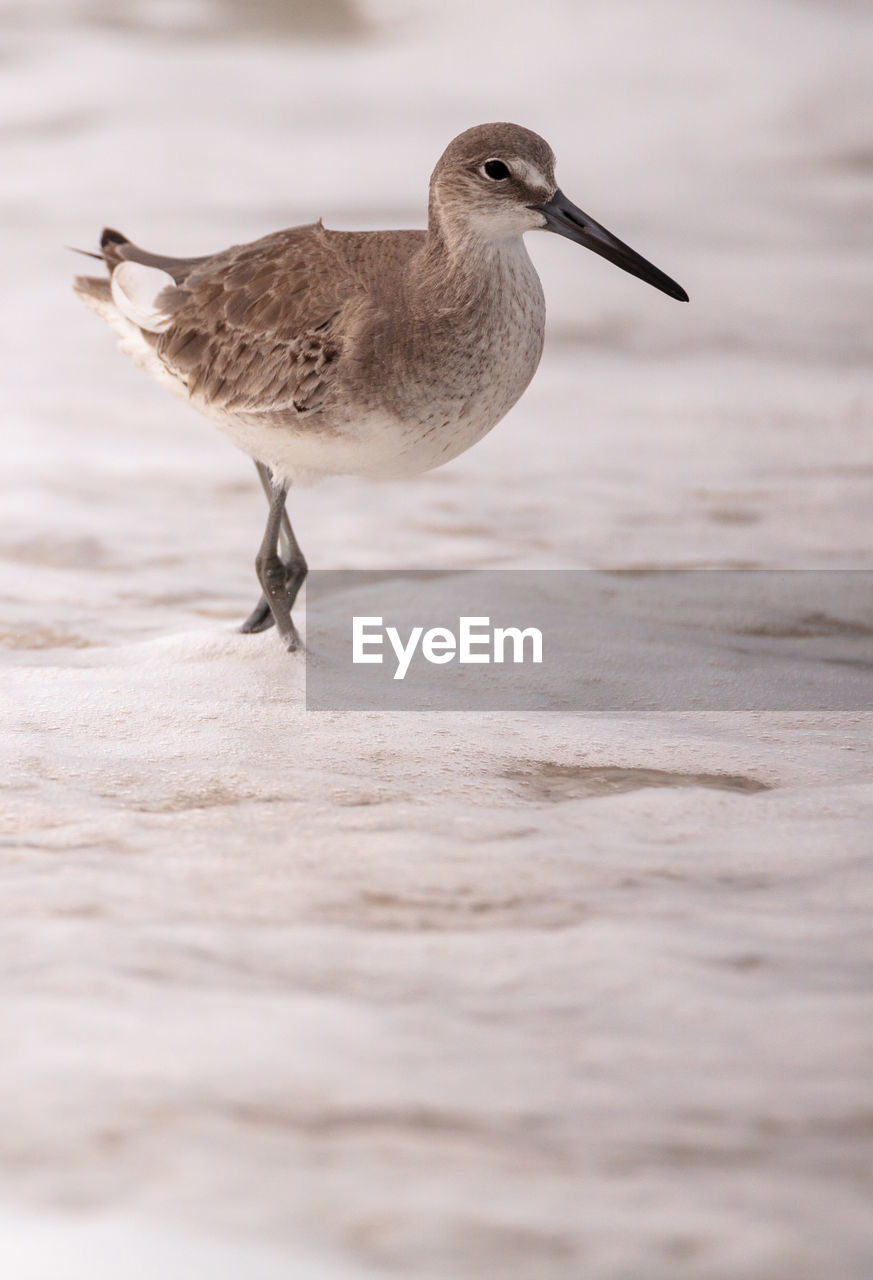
115,248
253,329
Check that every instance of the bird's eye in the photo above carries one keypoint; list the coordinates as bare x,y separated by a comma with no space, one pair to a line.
495,169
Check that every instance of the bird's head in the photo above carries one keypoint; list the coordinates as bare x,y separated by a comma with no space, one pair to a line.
496,181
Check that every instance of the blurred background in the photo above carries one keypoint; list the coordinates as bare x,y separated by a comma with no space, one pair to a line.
193,1044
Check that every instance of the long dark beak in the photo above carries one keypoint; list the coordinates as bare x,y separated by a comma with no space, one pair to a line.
563,217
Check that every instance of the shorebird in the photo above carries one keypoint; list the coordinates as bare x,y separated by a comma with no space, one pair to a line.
371,353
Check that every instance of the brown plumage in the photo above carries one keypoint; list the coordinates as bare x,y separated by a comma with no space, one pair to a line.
376,353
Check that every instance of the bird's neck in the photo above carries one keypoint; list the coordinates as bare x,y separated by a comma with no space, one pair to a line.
460,269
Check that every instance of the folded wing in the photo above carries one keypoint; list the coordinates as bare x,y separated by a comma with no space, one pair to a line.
251,330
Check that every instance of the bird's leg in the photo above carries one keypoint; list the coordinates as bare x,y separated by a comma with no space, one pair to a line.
261,617
280,579
287,540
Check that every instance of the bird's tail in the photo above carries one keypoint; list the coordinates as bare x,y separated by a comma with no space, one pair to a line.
94,290
87,253
110,242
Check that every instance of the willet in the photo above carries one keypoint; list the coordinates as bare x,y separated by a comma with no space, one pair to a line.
372,353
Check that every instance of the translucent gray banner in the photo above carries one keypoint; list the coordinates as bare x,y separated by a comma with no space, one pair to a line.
590,641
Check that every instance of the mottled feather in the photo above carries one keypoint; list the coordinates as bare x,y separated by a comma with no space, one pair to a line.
260,328
328,352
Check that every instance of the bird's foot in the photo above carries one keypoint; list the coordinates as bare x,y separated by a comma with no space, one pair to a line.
292,640
263,616
260,619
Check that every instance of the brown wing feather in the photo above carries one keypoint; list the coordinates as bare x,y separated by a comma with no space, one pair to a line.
255,328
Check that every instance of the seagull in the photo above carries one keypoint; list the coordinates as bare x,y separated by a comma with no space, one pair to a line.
368,353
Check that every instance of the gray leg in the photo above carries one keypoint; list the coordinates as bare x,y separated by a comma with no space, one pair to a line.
287,541
281,579
261,617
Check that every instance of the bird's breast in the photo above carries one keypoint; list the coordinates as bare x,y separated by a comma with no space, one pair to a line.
451,362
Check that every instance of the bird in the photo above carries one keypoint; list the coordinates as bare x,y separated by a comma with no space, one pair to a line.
369,353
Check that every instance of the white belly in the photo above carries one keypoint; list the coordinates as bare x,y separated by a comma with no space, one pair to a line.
378,445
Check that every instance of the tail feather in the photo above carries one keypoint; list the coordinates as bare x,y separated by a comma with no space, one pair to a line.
115,248
85,252
112,243
94,291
